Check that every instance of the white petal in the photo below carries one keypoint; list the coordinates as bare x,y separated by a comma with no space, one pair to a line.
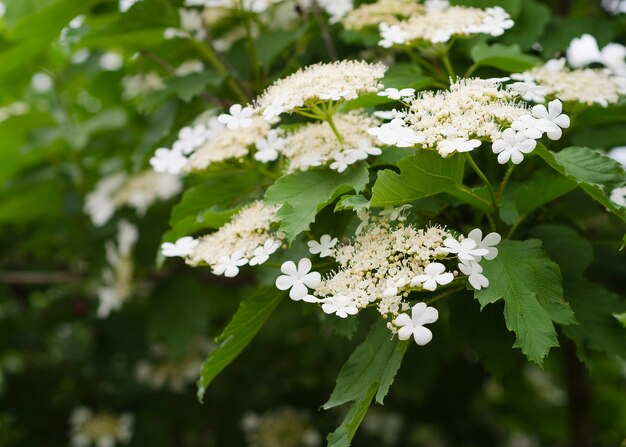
289,268
445,278
422,335
298,291
403,320
312,280
284,282
404,333
430,315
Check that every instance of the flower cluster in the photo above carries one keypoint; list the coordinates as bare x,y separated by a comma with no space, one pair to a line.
285,427
139,192
100,429
323,82
438,24
251,237
388,11
584,85
472,111
174,373
117,279
383,265
315,144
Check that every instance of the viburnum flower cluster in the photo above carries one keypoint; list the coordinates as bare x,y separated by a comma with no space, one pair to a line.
471,112
138,191
320,83
383,264
315,144
251,237
370,15
439,23
99,429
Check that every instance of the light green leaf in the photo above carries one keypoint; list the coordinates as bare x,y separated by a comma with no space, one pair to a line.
423,175
375,361
530,285
304,193
251,316
355,203
342,437
271,44
506,58
594,172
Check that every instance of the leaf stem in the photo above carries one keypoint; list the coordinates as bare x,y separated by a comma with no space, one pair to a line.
483,177
515,226
444,294
446,63
504,182
328,41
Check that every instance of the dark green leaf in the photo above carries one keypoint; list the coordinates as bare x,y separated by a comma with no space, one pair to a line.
342,437
506,58
251,316
530,285
529,25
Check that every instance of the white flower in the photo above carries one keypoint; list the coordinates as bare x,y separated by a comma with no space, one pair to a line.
323,247
229,265
613,56
363,150
190,138
124,5
111,61
618,154
554,116
474,271
394,93
42,83
434,273
448,147
298,279
555,65
395,133
238,117
337,9
182,247
342,161
340,305
169,161
421,314
263,252
467,249
269,147
529,91
618,196
364,217
489,242
532,127
583,51
391,35
335,94
394,213
436,5
496,22
389,114
274,109
393,286
513,146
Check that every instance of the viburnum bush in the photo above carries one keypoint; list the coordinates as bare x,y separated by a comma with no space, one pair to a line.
430,190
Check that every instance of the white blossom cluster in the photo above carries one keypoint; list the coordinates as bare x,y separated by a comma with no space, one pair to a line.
251,237
134,86
383,265
439,23
614,6
324,82
388,11
472,111
117,282
99,429
165,371
138,191
315,144
618,195
284,427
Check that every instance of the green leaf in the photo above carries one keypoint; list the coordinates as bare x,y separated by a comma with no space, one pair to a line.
210,204
593,305
304,193
506,58
49,21
512,6
355,203
593,171
542,187
21,54
271,44
375,361
529,25
342,437
530,285
423,175
251,316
